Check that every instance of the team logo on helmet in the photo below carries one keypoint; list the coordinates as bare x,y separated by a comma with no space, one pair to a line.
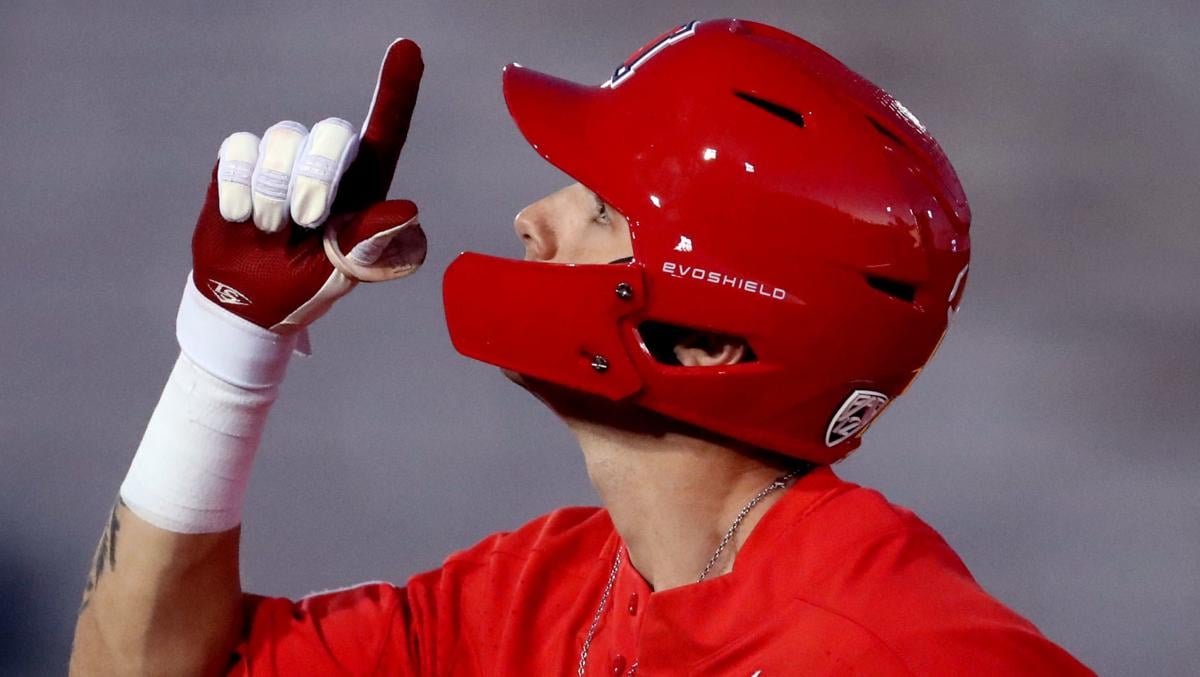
628,68
855,414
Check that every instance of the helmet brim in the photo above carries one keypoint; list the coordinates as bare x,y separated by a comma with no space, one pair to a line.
565,122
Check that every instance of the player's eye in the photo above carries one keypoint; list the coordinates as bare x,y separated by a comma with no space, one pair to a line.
601,210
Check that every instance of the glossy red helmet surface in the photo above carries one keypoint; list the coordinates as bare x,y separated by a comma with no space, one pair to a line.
773,195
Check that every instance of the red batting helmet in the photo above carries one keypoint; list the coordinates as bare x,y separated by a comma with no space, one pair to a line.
773,195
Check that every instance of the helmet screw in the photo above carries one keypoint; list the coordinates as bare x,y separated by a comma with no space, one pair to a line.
624,291
599,363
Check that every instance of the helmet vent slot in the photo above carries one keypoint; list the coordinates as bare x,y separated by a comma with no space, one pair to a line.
887,133
894,288
778,110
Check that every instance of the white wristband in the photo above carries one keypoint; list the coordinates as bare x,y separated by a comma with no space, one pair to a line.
190,472
235,350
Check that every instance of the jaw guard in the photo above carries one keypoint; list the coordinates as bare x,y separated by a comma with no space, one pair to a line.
567,324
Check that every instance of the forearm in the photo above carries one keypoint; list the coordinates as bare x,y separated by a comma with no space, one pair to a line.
163,595
158,602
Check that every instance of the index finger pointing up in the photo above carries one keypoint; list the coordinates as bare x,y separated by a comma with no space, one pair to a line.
383,134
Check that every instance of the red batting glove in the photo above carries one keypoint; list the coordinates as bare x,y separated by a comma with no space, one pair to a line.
320,224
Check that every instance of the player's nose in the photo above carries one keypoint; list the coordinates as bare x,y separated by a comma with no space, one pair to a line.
534,226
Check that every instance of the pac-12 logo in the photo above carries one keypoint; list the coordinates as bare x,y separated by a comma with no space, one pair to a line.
855,414
627,69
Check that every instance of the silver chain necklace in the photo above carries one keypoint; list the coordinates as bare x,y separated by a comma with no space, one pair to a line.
779,483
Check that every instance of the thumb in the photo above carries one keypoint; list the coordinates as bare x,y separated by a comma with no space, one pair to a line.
382,242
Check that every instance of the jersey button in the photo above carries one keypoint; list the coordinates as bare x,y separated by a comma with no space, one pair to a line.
633,604
618,665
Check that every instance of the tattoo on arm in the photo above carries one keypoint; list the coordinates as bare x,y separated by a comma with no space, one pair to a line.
106,554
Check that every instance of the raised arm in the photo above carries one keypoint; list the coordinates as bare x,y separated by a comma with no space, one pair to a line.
291,222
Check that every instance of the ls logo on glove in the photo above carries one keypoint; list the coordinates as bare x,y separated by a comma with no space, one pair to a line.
227,295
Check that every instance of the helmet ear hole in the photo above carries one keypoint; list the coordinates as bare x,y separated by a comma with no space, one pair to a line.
661,339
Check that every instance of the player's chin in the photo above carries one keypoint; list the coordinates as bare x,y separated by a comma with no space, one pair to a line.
567,403
549,394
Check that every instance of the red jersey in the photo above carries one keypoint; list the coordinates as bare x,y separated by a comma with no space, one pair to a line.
834,580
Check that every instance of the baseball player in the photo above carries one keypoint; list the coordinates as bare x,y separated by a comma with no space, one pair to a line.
761,253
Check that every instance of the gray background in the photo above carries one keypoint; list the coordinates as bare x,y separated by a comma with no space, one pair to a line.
1052,440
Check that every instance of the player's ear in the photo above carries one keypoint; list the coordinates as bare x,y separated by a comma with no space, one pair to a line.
703,349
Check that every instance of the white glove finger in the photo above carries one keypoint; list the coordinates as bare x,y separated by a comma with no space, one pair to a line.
272,173
235,164
328,150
